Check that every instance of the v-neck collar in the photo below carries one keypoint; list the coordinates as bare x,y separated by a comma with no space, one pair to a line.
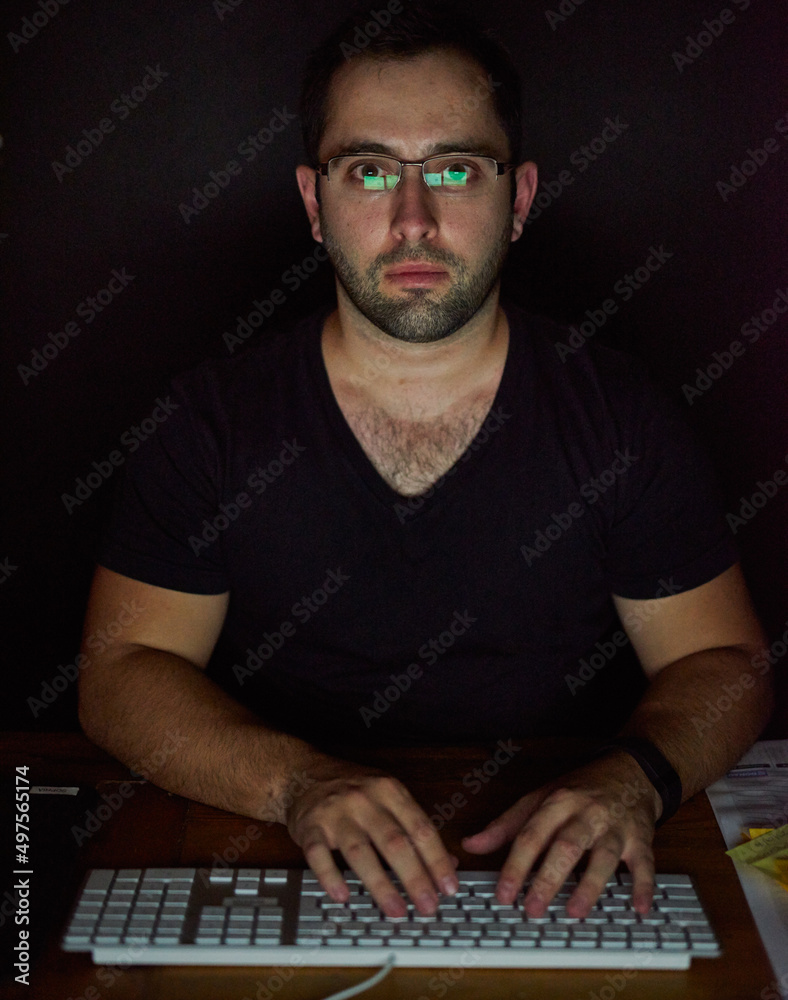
476,454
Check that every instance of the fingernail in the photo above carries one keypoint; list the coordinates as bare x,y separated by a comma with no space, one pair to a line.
427,902
450,885
395,907
507,891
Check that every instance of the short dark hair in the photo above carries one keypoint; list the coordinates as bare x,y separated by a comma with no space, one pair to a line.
418,27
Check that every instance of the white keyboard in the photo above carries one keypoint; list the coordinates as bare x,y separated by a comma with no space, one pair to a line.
253,916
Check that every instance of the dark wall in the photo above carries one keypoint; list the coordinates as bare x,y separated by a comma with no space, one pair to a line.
222,72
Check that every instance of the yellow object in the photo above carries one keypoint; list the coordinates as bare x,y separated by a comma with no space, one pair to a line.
768,850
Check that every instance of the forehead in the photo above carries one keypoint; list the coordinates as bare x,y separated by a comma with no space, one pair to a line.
412,105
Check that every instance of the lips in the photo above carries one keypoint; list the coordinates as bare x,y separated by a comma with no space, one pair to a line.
415,269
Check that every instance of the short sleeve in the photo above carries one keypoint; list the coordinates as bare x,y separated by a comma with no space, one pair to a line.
668,533
170,486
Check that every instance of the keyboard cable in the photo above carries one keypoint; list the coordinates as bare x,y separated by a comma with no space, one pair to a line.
365,984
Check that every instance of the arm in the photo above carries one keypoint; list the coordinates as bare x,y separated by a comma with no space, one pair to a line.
149,681
699,650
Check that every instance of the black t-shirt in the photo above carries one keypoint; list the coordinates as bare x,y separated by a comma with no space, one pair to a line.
476,611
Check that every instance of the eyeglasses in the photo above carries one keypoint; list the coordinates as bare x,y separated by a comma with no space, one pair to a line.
451,174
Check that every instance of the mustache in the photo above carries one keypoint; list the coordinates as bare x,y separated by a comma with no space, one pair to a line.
420,255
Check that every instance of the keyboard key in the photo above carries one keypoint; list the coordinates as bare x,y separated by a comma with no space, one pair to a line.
275,876
72,938
99,880
169,874
219,876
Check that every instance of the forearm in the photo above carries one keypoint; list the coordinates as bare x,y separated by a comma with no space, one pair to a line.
704,711
162,716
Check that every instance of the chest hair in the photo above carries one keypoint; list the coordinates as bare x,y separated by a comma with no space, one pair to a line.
411,455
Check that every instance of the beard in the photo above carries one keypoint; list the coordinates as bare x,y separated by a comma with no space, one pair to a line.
420,315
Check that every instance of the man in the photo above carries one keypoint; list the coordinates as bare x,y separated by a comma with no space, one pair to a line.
416,475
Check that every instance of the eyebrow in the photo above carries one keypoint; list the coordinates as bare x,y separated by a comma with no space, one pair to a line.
465,144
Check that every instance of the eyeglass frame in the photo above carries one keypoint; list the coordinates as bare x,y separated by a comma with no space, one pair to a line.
501,166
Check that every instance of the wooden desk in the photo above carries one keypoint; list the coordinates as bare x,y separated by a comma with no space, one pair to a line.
153,828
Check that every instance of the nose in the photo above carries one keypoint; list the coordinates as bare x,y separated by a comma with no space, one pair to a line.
413,217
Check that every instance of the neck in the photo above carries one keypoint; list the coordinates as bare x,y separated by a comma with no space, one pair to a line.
404,378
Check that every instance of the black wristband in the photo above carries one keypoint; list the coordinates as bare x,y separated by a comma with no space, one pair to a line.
656,768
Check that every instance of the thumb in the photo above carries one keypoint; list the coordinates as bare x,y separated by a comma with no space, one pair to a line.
501,830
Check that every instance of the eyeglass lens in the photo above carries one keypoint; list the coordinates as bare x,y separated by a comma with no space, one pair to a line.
445,174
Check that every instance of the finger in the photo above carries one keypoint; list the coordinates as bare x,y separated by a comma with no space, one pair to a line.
356,848
415,850
502,829
562,857
417,854
602,863
641,864
318,856
528,844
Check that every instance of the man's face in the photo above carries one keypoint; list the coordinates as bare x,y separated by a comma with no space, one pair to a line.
412,108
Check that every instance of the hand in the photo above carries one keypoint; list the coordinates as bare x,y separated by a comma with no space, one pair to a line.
607,808
355,809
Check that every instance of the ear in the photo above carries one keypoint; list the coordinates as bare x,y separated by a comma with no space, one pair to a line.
527,181
307,179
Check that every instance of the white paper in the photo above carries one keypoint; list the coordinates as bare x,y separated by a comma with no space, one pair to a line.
755,794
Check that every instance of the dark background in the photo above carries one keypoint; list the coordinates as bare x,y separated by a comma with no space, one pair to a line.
228,70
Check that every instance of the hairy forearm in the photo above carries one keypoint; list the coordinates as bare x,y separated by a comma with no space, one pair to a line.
704,711
160,715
